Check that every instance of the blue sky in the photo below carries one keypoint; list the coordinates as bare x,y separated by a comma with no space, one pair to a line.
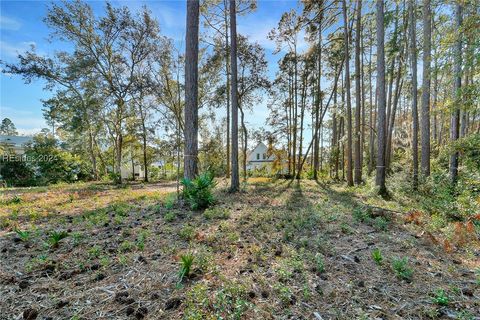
21,25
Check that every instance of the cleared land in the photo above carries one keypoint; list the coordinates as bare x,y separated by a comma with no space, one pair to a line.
279,250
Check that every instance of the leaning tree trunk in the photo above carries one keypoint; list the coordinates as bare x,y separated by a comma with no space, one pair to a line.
235,179
381,119
454,127
358,114
347,88
413,60
425,128
191,90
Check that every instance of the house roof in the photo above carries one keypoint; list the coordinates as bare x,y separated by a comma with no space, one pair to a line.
16,141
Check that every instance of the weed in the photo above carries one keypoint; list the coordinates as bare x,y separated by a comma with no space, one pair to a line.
170,201
319,263
94,252
187,232
346,228
401,269
126,246
23,235
186,261
216,213
361,214
141,240
55,237
170,216
440,297
77,238
377,256
380,223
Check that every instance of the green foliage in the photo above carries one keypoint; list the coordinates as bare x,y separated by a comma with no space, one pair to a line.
216,213
23,235
198,192
380,223
361,214
170,216
55,237
187,232
126,246
401,269
377,256
186,261
319,263
170,201
440,297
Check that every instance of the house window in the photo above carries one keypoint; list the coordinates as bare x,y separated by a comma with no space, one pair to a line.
264,156
258,156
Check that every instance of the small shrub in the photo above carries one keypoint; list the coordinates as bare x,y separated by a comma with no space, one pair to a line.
198,192
55,238
186,261
377,256
361,214
401,269
440,297
170,201
380,223
216,213
126,246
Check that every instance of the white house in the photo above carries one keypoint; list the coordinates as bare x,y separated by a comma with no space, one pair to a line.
128,171
15,143
259,158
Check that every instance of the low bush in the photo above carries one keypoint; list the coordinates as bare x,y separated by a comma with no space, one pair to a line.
198,192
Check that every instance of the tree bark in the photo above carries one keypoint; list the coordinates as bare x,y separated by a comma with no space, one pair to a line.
358,114
413,61
235,179
347,88
425,128
191,90
380,176
454,126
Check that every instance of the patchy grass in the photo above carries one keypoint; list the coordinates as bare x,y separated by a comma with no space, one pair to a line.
280,249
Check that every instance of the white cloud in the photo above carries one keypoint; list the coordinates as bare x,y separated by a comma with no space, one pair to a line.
7,23
9,50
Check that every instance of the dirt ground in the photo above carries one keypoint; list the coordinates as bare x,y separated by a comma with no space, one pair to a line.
278,250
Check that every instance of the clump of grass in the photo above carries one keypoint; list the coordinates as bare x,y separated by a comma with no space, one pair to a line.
126,246
377,256
380,223
440,297
186,261
13,200
216,213
55,237
94,252
402,269
23,235
319,263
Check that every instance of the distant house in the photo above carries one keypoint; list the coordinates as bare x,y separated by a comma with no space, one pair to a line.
128,171
259,158
15,143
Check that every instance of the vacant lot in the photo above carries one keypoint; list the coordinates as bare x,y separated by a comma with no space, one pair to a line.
278,250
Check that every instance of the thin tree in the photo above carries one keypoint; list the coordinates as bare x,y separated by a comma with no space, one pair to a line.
191,90
425,128
358,150
413,60
235,180
347,88
454,126
381,101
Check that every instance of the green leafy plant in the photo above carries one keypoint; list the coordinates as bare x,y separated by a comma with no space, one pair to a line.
187,232
55,237
198,192
170,201
440,297
169,216
216,213
126,246
377,256
23,235
186,261
320,264
361,215
401,269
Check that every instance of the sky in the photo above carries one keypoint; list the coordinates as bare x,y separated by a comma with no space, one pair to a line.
21,26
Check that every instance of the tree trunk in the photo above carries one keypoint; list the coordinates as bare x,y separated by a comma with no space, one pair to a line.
425,128
318,102
413,61
454,126
227,72
358,114
235,179
347,88
191,90
380,177
371,145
